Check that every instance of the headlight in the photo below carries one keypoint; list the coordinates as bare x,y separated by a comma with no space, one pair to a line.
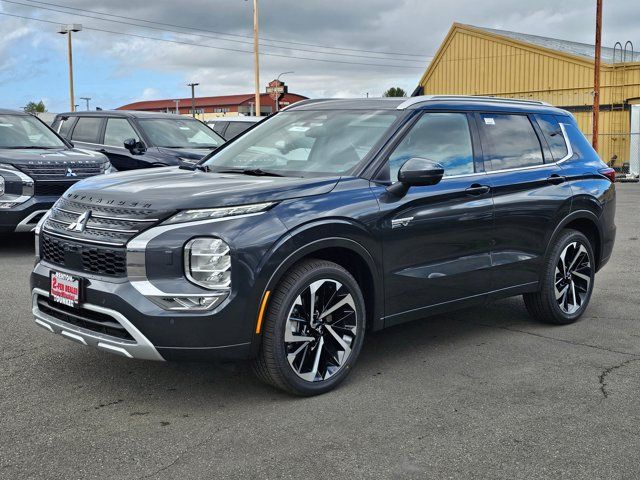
15,186
211,213
207,263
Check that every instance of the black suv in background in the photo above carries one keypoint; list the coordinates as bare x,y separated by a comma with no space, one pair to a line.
133,140
231,127
332,218
36,167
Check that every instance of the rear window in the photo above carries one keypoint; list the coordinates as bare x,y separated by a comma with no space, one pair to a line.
509,141
553,135
87,129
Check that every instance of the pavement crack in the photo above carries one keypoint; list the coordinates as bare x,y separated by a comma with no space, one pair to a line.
539,335
607,371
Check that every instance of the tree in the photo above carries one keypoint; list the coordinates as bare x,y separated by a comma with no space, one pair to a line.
33,107
395,92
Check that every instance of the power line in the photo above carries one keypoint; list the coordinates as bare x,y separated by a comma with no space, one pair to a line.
178,42
229,34
199,34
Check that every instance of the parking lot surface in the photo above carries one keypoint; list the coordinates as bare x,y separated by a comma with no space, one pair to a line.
482,393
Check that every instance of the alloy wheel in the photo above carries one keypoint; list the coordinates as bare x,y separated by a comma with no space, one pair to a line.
573,276
320,330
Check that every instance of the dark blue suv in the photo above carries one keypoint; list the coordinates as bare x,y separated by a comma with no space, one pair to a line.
330,219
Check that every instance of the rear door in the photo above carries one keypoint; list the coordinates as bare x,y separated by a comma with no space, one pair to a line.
529,191
436,239
87,132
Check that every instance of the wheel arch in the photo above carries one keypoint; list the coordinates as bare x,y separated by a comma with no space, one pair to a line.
586,222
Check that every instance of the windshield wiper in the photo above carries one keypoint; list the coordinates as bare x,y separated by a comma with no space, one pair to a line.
256,172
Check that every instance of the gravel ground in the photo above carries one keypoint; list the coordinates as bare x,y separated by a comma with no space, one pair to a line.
483,393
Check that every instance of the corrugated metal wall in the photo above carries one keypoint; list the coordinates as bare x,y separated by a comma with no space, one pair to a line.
474,62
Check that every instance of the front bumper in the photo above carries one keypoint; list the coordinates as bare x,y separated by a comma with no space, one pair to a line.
24,217
139,347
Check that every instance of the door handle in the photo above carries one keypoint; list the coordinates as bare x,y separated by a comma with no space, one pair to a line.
556,179
477,189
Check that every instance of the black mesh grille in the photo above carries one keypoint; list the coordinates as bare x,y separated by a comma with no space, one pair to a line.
61,169
52,188
86,258
84,318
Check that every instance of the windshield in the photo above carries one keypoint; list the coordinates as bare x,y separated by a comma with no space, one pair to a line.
306,143
25,131
179,133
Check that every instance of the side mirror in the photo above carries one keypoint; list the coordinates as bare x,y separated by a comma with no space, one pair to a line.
134,146
416,172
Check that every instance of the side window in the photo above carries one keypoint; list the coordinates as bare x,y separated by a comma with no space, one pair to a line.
235,128
442,137
118,130
509,141
218,127
553,134
64,127
87,129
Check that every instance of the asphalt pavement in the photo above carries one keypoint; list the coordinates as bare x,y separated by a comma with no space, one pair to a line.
481,393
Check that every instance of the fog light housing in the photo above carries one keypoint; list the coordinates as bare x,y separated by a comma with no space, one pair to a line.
191,303
207,263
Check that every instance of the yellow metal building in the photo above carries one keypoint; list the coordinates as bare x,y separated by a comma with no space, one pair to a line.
482,61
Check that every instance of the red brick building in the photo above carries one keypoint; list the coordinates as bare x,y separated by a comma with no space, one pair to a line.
211,107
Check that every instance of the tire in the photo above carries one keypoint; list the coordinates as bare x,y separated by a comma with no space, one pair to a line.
295,365
571,251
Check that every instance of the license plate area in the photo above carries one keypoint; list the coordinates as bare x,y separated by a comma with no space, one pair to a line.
65,289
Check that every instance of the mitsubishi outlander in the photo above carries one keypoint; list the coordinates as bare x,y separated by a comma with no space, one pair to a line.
330,219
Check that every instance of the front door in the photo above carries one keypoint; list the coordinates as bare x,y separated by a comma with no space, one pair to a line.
116,132
436,239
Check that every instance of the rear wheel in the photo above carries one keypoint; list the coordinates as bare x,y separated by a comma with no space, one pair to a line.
567,281
313,330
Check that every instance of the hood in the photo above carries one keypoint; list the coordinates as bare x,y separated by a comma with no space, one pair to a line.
37,155
172,188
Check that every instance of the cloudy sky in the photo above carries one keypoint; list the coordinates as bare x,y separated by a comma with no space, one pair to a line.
347,48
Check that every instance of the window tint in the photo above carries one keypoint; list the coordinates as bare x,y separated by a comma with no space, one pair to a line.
441,137
553,134
235,129
87,129
218,127
509,141
118,130
64,127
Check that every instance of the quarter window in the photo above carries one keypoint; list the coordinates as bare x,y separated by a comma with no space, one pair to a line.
509,141
65,127
87,129
553,134
118,130
442,137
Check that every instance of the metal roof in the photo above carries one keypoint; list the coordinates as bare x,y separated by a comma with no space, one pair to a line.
574,48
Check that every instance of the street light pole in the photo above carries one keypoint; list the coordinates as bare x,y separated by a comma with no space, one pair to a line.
278,94
86,99
177,107
193,97
256,56
596,76
67,30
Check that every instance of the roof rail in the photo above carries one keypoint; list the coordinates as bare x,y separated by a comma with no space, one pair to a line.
468,98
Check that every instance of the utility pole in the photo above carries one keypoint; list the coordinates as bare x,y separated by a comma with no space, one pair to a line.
193,97
596,75
86,99
67,30
256,56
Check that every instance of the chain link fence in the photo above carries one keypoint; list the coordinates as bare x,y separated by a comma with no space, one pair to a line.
621,151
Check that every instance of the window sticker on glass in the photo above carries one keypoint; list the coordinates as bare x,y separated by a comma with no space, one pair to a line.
489,121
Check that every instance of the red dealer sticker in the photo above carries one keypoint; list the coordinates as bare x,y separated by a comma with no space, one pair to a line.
65,289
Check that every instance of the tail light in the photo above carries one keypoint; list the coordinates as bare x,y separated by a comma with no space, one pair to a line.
610,173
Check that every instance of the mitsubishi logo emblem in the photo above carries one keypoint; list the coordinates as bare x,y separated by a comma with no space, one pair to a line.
81,222
70,173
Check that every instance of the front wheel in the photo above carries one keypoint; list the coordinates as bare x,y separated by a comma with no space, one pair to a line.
313,330
567,281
